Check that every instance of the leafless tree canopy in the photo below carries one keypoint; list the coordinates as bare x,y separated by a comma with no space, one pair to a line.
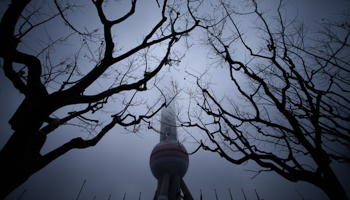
291,112
56,59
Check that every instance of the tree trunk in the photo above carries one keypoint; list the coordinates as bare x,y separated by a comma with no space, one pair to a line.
18,161
331,186
11,176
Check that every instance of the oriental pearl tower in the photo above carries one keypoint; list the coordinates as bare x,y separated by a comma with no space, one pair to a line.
169,161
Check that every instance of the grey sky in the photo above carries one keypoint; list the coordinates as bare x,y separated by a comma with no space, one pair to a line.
119,163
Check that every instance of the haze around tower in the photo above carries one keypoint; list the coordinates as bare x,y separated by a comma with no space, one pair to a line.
168,123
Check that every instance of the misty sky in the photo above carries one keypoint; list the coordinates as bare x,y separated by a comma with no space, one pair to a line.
119,163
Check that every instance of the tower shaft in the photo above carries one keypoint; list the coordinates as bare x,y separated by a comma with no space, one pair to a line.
168,124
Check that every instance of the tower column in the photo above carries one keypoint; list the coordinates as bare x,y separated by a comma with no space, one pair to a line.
176,191
185,190
163,194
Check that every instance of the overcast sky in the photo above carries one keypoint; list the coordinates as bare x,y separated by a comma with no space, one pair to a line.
119,163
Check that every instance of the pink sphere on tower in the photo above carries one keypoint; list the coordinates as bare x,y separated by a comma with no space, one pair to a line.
169,156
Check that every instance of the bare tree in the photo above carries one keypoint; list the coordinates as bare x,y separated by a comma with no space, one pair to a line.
292,111
51,78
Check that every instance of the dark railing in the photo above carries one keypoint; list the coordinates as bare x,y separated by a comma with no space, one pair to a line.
182,197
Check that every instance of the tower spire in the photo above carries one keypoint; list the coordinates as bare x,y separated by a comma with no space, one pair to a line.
168,124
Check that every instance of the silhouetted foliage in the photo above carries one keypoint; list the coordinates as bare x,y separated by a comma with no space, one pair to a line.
292,111
55,62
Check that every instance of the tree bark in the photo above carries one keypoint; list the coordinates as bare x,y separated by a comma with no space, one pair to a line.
17,161
12,176
331,186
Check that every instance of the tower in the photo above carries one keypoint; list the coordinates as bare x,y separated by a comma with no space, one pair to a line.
169,161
